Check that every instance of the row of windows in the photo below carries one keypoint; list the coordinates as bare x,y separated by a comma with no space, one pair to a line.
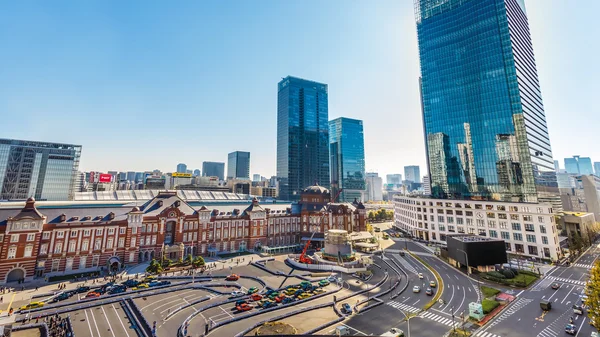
524,209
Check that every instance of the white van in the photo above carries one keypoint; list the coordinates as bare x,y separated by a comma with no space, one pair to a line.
342,330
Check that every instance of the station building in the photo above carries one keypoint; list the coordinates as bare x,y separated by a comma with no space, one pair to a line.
38,241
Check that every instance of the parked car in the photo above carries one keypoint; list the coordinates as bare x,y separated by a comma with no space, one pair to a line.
323,283
61,297
232,277
131,283
141,286
92,294
252,290
303,296
243,307
117,290
238,302
429,292
237,293
319,290
256,297
555,286
269,304
287,300
432,284
83,289
416,289
149,278
32,305
346,308
165,283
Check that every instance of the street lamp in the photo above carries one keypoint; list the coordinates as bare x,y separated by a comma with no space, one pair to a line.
407,322
468,273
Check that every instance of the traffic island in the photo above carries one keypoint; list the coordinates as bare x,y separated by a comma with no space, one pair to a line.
440,282
275,329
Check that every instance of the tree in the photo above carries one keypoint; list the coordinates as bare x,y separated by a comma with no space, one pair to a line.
154,267
189,259
198,262
593,292
371,215
575,242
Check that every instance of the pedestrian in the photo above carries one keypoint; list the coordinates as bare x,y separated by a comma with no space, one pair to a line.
36,288
1,299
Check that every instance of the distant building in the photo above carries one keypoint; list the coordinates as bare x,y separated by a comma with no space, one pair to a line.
265,192
412,173
597,169
216,169
393,179
256,177
347,159
374,187
155,183
556,166
181,168
302,136
196,173
579,165
580,223
238,165
122,176
80,182
45,171
130,176
426,186
139,177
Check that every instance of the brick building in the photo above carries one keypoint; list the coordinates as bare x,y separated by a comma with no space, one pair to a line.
48,241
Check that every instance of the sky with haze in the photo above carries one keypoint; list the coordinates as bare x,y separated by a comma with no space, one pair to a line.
146,85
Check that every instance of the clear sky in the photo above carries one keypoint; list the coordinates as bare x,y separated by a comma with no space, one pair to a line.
149,84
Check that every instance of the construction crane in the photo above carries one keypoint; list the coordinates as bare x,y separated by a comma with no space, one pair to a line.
337,195
303,258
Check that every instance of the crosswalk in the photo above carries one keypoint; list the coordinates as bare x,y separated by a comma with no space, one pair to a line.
440,319
566,280
485,334
407,266
582,265
402,306
514,307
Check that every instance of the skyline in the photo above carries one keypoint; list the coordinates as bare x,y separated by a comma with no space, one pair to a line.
95,80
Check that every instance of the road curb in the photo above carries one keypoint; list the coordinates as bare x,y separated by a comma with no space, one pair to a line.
438,277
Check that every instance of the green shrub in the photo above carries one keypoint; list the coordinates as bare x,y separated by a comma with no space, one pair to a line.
515,271
530,273
496,274
508,273
489,291
489,305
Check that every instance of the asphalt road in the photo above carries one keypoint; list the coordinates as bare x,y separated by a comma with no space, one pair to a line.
103,321
525,314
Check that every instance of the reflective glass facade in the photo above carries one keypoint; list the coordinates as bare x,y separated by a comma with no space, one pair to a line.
45,171
238,165
485,128
302,136
213,169
347,163
579,165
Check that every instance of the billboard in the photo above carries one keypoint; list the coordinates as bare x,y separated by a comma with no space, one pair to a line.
181,175
104,178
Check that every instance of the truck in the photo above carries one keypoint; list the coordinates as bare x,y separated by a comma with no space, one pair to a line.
545,305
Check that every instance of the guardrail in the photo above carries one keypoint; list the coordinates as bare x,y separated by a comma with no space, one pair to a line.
140,318
304,266
405,275
136,324
69,327
44,331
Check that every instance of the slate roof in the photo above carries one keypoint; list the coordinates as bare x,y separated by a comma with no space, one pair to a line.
163,201
315,189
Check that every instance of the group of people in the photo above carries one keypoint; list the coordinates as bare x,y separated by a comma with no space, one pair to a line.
58,326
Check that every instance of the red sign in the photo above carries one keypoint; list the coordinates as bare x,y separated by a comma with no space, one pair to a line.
105,178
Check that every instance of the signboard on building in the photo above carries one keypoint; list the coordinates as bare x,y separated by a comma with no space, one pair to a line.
181,175
104,178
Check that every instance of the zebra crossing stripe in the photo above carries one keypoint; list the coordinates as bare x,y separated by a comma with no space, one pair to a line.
402,306
560,279
485,334
439,319
581,265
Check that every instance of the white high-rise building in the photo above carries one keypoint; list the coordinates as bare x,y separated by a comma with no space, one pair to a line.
374,186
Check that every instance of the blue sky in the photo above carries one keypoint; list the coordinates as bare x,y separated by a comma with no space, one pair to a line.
148,84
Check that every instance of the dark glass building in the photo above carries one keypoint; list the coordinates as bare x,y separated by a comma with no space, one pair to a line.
302,136
484,121
238,165
347,163
213,169
45,171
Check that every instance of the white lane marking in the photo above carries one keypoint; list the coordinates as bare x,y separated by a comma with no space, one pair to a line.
108,321
463,299
120,320
449,302
87,320
95,324
166,298
567,295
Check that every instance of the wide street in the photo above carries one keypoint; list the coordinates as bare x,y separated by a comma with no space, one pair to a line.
525,314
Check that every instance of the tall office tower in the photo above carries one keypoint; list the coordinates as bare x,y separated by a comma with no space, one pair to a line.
130,176
484,122
196,173
556,166
426,186
412,173
393,179
347,159
238,165
256,177
579,165
597,169
374,187
302,136
45,171
181,168
213,169
139,177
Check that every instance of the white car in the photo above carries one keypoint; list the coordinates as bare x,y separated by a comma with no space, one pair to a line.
421,275
237,293
416,289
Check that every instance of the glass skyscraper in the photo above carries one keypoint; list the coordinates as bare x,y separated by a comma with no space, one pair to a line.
579,165
213,169
302,136
45,171
238,165
347,163
484,121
